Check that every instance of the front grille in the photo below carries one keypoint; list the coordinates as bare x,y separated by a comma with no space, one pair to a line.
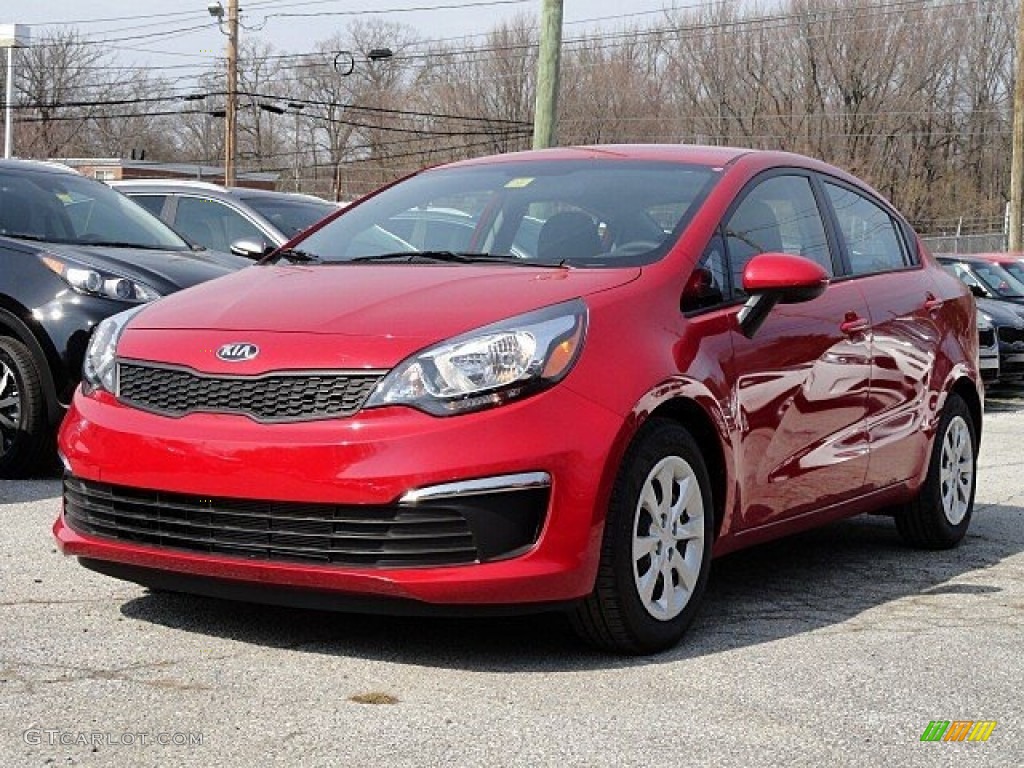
987,338
273,397
450,531
1011,335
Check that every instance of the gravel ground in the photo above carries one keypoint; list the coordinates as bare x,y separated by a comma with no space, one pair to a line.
837,647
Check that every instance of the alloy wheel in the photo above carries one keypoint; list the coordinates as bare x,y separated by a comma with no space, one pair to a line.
668,538
956,472
10,407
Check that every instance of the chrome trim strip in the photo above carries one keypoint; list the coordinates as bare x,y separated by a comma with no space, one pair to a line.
497,484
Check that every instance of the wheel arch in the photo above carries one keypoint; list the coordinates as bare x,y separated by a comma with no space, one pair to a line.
691,415
968,392
15,322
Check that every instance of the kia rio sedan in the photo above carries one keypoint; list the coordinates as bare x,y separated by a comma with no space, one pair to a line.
706,348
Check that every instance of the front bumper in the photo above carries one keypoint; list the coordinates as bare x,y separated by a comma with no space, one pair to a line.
372,459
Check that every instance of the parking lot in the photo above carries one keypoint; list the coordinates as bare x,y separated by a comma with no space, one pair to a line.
835,647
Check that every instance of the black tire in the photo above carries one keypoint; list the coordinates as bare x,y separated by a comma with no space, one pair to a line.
614,617
26,440
925,522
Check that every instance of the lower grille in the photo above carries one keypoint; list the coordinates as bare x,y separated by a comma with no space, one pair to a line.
1011,335
439,532
987,338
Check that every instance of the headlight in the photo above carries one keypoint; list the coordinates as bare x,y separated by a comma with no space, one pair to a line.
489,366
94,282
984,321
99,370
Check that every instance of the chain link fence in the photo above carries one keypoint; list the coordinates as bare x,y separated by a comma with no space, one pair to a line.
984,243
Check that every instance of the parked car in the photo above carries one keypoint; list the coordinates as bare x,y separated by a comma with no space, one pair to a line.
1011,262
243,221
709,348
988,349
985,278
999,298
72,252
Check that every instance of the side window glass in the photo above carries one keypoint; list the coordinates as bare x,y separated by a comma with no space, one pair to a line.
872,238
707,284
780,215
213,224
152,203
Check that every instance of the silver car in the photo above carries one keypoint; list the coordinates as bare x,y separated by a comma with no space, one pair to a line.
240,220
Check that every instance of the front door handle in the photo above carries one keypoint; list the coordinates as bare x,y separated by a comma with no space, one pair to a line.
930,302
854,324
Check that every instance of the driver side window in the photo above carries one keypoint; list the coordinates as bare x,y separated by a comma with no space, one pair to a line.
780,215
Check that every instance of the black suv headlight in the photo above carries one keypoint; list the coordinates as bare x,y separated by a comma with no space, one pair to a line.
96,282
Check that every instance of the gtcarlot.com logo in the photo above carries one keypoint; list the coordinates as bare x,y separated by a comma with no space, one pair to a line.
958,730
53,737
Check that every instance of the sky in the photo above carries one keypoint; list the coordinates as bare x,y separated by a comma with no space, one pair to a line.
293,26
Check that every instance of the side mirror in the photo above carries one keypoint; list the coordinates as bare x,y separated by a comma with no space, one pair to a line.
978,291
774,278
251,249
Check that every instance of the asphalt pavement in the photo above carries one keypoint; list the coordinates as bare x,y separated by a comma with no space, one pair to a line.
834,648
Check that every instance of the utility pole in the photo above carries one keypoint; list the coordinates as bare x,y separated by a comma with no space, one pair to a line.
231,109
545,113
1017,157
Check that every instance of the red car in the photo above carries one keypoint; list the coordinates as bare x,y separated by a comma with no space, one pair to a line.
697,350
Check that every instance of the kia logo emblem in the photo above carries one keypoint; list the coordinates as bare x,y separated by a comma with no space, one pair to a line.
238,352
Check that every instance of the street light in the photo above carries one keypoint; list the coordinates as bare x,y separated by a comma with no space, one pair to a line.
11,36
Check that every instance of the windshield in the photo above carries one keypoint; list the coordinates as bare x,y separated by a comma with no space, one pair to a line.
1015,268
998,280
290,215
68,208
606,213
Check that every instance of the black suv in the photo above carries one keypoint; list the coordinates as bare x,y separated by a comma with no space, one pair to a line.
72,252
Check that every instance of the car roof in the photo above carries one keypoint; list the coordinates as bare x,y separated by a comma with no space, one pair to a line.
683,154
18,164
966,258
206,186
1001,256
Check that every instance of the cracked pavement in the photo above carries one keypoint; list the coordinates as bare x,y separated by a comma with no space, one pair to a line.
836,647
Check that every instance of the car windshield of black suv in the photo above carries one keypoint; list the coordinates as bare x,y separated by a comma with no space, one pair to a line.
67,208
581,213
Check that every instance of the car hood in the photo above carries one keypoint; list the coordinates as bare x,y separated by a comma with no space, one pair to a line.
371,316
164,271
1001,312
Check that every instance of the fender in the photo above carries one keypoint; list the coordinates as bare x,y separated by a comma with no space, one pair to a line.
12,325
690,402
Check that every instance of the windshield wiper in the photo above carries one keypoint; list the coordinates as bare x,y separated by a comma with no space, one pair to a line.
35,238
292,254
458,257
119,244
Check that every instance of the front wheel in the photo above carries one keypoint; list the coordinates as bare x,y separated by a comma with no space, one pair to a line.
938,517
25,437
656,551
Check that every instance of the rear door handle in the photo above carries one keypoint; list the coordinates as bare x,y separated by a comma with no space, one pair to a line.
930,302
